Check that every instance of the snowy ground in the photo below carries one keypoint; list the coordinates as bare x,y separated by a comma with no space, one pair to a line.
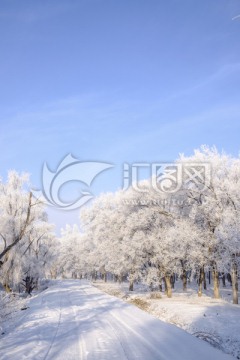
74,320
10,306
215,321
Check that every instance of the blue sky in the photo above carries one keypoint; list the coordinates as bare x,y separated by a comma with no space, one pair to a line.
116,81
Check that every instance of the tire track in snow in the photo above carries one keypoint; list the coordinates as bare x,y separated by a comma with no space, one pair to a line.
130,350
81,342
72,316
56,332
102,333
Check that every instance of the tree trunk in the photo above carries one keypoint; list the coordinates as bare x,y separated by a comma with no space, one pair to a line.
160,280
105,277
204,280
200,281
216,293
7,288
94,276
53,274
165,285
235,283
184,276
184,280
223,280
29,284
130,285
229,278
168,288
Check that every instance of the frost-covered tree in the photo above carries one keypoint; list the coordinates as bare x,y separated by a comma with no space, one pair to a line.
142,233
74,258
24,232
213,207
103,225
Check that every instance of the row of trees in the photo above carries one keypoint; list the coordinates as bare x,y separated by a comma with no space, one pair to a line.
144,234
139,234
27,241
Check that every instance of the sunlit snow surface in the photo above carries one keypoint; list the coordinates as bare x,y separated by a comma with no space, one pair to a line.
74,320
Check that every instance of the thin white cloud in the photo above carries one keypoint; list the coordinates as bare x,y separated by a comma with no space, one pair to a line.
218,75
236,17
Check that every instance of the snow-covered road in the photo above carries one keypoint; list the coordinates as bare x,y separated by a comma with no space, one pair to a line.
73,320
